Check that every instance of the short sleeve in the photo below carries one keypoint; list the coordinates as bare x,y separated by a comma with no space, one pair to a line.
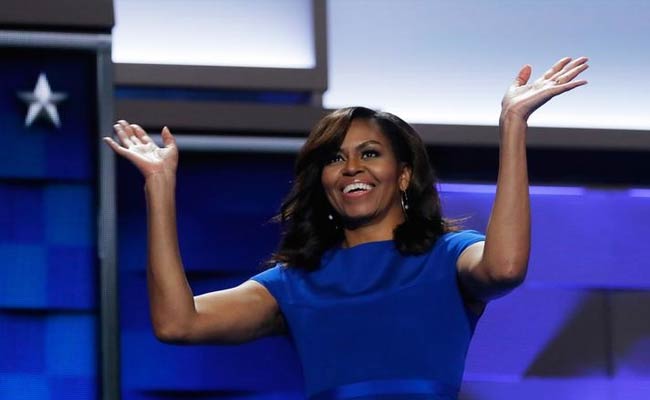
455,242
271,279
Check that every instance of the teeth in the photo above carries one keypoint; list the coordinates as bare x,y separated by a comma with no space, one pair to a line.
354,186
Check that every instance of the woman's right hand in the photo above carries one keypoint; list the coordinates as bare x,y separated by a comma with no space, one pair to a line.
137,147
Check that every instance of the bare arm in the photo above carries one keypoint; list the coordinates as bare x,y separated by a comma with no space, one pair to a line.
227,316
492,268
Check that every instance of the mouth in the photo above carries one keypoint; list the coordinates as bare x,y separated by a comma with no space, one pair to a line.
357,189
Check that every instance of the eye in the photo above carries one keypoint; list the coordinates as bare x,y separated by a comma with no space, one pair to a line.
333,159
370,154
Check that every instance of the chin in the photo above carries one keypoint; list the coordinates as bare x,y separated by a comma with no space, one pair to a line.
357,220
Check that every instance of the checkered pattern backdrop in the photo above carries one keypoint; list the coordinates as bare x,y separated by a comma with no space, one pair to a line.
48,277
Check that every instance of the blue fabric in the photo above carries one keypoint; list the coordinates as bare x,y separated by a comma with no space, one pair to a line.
371,314
396,388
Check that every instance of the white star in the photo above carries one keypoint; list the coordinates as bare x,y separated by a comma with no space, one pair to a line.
42,101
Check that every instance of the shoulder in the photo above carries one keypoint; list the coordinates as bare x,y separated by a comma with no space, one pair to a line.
276,279
270,274
453,244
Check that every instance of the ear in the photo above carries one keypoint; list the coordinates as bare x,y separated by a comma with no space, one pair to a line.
405,178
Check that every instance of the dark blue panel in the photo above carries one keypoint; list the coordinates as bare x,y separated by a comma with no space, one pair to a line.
24,386
74,388
48,250
134,303
21,213
23,276
248,96
69,215
70,342
72,278
22,344
224,207
42,150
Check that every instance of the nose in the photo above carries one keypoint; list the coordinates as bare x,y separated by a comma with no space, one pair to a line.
352,167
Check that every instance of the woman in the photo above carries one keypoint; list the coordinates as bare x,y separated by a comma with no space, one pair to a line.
378,292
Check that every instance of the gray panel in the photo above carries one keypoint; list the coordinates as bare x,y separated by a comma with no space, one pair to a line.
194,76
56,40
538,137
107,235
235,144
541,389
92,15
541,332
219,116
631,334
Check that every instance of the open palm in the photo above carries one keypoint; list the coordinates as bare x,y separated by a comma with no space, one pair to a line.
137,147
523,98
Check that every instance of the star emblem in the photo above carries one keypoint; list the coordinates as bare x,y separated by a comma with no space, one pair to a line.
42,102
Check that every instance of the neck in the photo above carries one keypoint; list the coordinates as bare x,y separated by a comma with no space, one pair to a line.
372,232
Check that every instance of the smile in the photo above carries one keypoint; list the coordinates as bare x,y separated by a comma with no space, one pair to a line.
357,187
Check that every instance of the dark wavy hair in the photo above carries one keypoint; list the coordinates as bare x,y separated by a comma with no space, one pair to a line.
308,232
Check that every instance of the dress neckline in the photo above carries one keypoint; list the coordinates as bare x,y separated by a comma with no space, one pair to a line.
365,244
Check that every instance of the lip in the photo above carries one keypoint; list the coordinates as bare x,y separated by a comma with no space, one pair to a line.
356,181
356,195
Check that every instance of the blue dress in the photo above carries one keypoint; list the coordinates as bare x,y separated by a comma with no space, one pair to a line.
371,323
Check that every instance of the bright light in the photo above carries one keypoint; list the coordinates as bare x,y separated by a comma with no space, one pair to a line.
450,62
245,33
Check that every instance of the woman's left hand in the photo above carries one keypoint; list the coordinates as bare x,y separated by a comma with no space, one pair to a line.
523,98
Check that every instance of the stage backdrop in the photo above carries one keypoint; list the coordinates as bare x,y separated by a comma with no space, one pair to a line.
48,268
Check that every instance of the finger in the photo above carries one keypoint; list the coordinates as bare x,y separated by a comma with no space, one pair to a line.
130,133
167,137
141,133
135,139
569,75
578,61
570,66
122,135
557,67
115,146
568,86
524,75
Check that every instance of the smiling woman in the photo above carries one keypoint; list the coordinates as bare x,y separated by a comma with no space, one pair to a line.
379,293
364,182
358,145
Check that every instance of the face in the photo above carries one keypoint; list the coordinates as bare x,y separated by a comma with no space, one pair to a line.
363,180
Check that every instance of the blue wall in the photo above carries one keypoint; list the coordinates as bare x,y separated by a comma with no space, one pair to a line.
48,279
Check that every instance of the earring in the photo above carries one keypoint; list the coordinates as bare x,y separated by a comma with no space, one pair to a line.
405,202
331,218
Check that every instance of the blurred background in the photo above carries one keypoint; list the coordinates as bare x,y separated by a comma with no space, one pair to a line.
241,83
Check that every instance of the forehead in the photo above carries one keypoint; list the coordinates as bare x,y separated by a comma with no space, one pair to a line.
362,130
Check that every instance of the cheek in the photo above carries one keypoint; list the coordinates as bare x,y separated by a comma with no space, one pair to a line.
328,181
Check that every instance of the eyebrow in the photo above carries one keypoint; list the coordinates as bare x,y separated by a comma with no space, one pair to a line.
364,144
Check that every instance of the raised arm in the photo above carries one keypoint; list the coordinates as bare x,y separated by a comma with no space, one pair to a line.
492,268
233,315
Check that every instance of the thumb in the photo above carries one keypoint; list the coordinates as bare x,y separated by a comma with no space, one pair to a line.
167,137
524,75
